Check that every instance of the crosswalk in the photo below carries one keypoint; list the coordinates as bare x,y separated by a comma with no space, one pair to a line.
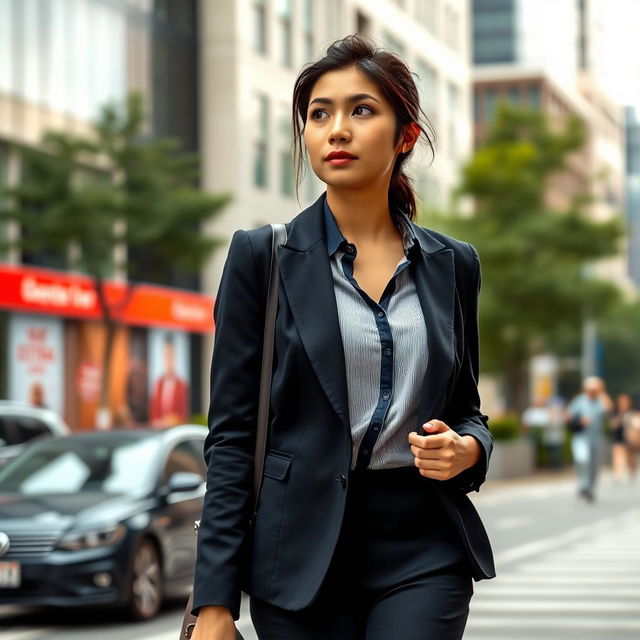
585,585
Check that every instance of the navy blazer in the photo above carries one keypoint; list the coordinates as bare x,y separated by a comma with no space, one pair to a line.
284,556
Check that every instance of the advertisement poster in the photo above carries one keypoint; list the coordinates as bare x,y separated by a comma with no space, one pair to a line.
89,340
36,361
169,367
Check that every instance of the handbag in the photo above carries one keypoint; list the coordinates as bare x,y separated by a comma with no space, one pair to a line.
574,424
279,236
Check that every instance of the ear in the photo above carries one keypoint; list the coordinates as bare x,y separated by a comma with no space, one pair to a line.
410,136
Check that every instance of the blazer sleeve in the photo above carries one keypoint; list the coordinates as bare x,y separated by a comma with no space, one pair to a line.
229,447
463,409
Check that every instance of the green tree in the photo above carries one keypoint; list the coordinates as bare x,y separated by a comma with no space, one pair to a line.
89,200
618,331
534,258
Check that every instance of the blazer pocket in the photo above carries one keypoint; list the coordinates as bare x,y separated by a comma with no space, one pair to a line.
276,464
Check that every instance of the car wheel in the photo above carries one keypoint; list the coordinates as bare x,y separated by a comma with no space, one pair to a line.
145,595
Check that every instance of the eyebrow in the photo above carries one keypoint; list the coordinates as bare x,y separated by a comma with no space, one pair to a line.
347,100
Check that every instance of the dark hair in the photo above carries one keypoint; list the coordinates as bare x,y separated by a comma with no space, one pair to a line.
397,85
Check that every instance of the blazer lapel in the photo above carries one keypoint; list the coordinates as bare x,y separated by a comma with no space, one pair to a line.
434,279
308,284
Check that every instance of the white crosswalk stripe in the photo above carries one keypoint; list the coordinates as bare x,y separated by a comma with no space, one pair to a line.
586,584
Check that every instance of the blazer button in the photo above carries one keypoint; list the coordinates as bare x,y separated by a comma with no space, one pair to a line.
342,479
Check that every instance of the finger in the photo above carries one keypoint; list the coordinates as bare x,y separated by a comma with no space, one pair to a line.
426,454
431,465
435,426
429,442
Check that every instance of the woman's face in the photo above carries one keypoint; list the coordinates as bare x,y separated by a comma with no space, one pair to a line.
347,112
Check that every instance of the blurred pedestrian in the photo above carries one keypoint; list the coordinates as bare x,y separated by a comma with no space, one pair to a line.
589,410
632,442
621,455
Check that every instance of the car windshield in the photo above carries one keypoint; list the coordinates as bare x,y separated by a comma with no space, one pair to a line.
73,465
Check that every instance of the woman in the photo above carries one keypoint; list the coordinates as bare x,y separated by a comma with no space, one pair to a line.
364,528
620,453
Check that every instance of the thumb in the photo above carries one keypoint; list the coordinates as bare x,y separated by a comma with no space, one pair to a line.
435,426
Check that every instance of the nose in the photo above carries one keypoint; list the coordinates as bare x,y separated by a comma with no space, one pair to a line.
340,128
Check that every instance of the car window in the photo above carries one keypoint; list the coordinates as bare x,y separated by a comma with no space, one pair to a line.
68,465
184,457
7,431
28,428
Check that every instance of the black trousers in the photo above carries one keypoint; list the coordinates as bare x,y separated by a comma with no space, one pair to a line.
399,570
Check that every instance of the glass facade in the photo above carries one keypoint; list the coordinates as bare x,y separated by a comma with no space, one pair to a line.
285,32
73,57
494,31
259,27
307,26
632,161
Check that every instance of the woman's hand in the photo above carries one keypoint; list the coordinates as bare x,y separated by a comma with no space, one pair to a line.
214,622
443,454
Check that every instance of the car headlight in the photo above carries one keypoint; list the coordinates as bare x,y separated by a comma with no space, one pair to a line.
91,538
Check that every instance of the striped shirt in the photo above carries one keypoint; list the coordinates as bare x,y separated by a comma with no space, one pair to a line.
385,348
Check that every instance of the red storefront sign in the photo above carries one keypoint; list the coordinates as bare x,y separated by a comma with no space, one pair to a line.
46,291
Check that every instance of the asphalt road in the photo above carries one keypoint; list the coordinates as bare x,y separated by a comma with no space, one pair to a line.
567,571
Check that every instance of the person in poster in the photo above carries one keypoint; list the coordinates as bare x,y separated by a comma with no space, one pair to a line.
169,397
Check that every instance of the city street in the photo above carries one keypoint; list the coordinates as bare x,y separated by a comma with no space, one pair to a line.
567,571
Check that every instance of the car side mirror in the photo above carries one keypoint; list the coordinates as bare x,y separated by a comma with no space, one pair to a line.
185,481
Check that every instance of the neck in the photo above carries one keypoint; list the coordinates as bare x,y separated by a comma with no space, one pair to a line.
363,218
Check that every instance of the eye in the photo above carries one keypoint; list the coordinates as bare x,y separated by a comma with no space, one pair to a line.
360,106
315,111
363,106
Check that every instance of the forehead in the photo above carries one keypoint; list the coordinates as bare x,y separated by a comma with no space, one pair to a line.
339,83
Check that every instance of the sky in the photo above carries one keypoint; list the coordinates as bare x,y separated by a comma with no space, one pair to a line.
621,57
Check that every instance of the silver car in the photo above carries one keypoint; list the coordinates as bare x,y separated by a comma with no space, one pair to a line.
21,423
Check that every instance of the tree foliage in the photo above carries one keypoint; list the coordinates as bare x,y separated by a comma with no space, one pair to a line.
535,259
89,199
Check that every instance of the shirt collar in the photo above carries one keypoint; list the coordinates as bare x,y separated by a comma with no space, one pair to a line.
335,238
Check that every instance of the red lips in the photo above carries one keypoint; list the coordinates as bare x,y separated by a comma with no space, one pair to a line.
334,155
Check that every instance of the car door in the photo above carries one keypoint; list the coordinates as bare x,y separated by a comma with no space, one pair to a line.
181,509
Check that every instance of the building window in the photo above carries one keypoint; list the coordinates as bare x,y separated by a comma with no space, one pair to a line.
261,147
494,31
260,26
286,160
4,161
453,108
513,95
490,104
307,25
428,88
284,28
533,96
451,27
426,14
393,43
363,24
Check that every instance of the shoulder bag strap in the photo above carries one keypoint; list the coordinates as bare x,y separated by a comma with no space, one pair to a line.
279,237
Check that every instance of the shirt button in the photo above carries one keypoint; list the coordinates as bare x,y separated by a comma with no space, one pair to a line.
366,452
387,352
380,314
376,428
385,395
